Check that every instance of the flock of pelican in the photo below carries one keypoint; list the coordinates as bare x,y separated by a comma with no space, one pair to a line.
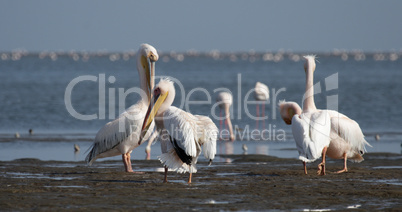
183,136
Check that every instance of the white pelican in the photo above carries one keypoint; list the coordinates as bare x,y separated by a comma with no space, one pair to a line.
346,138
225,100
261,93
181,133
311,129
121,135
291,115
341,145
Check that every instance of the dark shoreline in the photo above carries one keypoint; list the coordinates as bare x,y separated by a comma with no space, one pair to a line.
250,182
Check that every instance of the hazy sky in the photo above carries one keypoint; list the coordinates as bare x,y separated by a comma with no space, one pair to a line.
225,25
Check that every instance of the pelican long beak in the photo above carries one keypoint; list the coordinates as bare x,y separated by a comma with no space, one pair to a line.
153,108
151,77
149,66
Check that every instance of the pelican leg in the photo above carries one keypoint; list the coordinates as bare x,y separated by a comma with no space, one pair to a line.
189,178
166,171
127,162
321,166
220,122
305,167
263,114
258,115
148,153
345,168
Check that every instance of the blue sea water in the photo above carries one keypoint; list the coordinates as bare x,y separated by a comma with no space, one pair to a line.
33,89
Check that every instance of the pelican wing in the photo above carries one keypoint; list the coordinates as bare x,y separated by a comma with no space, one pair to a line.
261,91
349,130
299,132
320,129
207,132
311,134
181,127
125,127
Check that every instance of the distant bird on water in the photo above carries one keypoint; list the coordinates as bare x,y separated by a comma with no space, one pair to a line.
261,93
225,101
76,148
245,148
182,134
121,136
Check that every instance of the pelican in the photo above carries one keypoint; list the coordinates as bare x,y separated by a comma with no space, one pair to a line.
225,100
261,93
346,138
311,129
121,135
341,145
181,133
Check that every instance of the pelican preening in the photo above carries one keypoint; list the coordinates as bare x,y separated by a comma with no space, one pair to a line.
261,93
225,101
346,139
181,133
310,129
121,136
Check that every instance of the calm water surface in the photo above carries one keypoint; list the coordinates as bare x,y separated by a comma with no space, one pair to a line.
32,95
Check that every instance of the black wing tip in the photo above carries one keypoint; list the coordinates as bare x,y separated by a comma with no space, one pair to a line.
181,153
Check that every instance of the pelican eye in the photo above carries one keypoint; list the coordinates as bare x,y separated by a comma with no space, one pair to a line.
157,91
152,57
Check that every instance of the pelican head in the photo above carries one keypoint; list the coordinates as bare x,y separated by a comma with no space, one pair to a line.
288,110
261,91
310,63
224,100
163,97
146,58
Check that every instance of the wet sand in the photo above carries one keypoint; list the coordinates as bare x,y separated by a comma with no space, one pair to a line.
249,182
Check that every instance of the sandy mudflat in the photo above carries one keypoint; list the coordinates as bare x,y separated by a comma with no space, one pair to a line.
251,182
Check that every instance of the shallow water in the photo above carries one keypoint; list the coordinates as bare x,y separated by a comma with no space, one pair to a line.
61,148
32,96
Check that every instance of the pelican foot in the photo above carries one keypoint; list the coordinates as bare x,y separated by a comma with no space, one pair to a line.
321,169
342,171
131,171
